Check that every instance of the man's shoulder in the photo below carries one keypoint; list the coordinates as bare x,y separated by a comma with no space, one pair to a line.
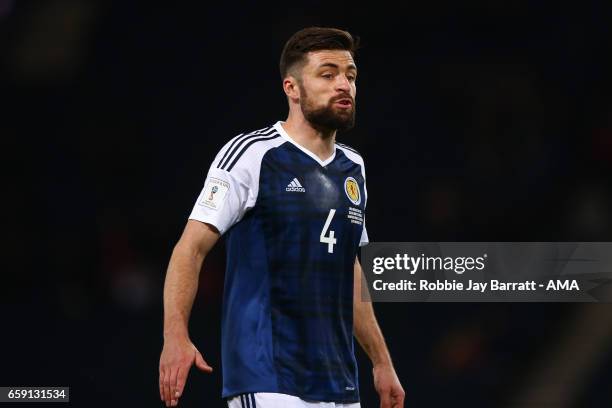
351,153
247,148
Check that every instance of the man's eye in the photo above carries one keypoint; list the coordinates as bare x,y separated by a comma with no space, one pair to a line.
328,76
351,78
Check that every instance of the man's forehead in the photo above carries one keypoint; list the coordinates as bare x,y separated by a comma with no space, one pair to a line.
336,57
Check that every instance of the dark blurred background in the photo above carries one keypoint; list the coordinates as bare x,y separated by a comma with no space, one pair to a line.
478,120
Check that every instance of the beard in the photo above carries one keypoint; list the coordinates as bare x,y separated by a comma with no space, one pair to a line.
327,117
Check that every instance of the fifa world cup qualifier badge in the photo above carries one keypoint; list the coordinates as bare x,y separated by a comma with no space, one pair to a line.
351,188
214,193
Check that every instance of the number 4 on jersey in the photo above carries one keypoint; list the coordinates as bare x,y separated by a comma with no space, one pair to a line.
329,240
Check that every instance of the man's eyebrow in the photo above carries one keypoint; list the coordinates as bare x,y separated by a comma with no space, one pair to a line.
332,65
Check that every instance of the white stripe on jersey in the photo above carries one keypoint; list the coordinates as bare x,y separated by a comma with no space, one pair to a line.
275,400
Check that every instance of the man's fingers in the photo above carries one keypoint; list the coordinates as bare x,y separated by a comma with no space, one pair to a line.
399,398
181,378
398,401
167,386
385,399
173,377
161,384
201,363
174,370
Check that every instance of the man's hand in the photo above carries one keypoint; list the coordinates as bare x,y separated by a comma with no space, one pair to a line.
388,386
177,357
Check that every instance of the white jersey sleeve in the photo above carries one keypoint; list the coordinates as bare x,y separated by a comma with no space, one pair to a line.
226,196
232,183
223,201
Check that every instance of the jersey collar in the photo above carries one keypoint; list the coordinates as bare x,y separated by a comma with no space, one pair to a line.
288,138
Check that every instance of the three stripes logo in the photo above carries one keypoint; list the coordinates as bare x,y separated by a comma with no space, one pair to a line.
295,186
247,401
241,143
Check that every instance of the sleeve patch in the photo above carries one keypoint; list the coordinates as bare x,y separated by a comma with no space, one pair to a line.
214,193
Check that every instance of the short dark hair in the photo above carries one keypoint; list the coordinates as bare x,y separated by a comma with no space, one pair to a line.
314,39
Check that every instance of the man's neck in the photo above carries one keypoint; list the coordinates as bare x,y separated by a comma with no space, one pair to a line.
319,142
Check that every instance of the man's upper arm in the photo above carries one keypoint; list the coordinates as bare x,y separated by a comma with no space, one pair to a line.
199,237
360,293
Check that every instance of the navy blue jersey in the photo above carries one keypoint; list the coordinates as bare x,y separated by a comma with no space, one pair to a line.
293,225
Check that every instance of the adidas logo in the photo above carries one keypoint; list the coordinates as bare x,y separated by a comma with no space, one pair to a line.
295,186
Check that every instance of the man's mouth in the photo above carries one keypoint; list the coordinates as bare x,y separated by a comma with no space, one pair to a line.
345,102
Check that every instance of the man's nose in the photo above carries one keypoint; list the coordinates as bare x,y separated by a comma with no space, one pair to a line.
343,84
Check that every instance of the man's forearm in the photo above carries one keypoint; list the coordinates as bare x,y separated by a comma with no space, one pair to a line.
368,333
365,326
180,290
370,337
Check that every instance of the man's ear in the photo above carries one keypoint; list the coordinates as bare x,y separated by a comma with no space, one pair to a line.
291,87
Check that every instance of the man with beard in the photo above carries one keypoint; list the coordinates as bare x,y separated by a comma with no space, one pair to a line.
291,203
